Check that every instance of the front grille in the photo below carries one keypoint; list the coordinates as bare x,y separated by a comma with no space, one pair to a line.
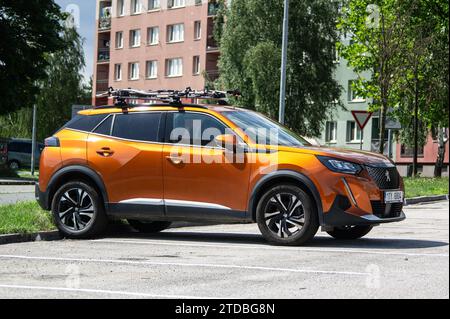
385,177
383,210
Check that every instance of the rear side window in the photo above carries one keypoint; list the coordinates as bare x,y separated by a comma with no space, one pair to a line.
105,127
137,126
85,123
19,147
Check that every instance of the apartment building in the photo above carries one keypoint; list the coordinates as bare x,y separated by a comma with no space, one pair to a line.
154,44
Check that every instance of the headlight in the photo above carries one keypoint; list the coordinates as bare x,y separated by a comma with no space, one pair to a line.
340,166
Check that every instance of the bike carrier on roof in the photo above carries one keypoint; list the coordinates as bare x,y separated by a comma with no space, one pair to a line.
122,97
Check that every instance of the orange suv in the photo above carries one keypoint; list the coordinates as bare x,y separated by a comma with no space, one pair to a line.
153,164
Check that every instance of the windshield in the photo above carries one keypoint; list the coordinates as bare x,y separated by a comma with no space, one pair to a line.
263,130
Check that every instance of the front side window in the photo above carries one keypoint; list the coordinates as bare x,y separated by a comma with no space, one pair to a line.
137,126
153,35
193,129
174,67
263,130
175,33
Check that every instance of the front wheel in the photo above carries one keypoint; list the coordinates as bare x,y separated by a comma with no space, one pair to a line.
149,227
350,232
286,216
78,211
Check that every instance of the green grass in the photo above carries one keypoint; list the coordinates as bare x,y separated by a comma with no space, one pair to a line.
24,218
416,187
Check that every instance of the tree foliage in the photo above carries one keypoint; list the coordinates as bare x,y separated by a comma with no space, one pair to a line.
28,30
251,59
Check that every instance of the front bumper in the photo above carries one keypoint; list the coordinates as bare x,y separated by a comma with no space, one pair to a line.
339,216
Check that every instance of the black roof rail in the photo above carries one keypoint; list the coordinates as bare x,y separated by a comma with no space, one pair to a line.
170,97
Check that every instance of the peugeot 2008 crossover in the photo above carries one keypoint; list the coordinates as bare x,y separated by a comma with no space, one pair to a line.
153,165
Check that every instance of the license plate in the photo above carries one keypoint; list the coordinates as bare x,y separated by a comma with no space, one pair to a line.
393,197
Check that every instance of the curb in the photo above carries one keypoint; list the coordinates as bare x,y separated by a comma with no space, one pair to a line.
22,238
425,199
16,182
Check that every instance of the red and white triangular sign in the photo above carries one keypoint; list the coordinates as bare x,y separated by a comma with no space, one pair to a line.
362,118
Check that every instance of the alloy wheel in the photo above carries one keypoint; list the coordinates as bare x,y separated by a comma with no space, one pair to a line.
285,215
76,209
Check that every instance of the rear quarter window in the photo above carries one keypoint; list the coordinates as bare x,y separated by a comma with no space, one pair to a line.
85,123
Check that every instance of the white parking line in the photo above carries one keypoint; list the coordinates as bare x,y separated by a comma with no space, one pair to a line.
105,292
240,267
254,247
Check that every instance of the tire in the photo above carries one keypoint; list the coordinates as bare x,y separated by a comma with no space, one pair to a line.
14,165
291,223
149,227
350,232
78,211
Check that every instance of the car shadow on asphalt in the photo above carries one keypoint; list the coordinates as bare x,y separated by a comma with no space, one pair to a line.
320,241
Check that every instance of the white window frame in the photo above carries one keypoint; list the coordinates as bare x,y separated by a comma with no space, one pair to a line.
154,5
119,42
197,30
150,35
331,132
178,67
174,4
136,7
172,32
133,43
120,8
118,72
133,71
353,132
352,97
151,65
196,65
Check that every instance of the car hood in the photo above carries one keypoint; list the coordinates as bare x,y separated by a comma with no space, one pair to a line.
351,155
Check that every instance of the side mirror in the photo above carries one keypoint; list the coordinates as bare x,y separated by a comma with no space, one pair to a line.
227,141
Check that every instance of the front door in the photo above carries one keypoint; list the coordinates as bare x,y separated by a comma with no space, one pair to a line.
125,150
200,182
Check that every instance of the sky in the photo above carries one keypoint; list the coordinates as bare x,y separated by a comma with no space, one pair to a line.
86,28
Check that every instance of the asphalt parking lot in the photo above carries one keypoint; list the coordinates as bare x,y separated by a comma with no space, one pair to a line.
405,260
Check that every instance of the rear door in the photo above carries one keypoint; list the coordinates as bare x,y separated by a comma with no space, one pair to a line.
126,151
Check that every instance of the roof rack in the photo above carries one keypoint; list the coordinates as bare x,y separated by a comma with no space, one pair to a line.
172,97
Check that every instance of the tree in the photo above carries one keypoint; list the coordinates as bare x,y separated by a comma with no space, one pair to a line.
62,87
28,30
376,28
251,59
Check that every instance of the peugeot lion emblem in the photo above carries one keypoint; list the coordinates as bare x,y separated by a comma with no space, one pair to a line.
388,177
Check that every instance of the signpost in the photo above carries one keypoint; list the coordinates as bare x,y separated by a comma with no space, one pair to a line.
362,118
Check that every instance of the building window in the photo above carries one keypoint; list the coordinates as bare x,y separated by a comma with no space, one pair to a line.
352,96
135,38
152,70
174,67
118,72
196,65
175,33
331,132
136,6
121,8
154,5
134,71
153,35
197,30
406,151
119,40
176,3
198,2
353,132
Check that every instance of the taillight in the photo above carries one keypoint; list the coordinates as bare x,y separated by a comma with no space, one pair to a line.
52,142
3,149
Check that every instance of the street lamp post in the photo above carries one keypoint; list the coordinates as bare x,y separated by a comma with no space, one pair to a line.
284,62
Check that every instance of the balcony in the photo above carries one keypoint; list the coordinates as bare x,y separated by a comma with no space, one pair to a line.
211,45
103,55
104,24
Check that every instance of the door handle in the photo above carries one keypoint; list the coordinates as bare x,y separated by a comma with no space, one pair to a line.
105,152
175,160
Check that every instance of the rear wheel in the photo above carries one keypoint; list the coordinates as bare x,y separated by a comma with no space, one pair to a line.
350,232
286,216
78,211
14,165
149,227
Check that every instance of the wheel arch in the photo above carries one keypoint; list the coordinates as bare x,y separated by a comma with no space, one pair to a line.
284,177
79,173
